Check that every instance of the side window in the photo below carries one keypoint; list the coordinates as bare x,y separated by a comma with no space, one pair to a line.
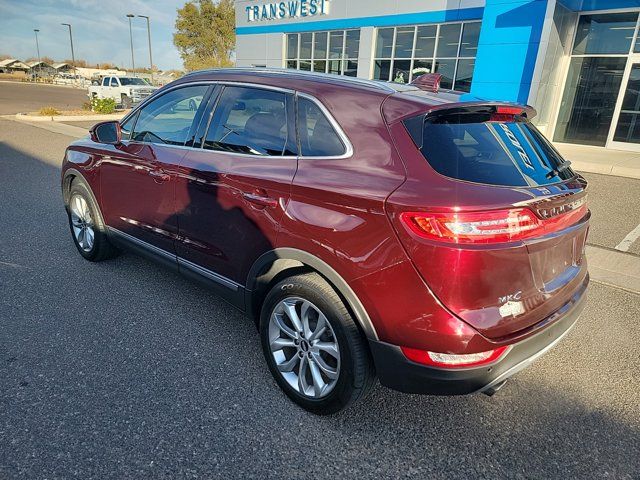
317,137
114,82
105,81
127,126
168,118
251,121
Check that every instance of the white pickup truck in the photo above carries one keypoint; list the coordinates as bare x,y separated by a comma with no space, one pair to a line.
126,91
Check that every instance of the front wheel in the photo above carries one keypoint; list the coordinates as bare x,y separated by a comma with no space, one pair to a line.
313,347
86,227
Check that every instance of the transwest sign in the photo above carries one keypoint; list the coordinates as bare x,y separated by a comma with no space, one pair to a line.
288,9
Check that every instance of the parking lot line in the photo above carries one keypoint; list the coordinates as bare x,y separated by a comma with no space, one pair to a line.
631,237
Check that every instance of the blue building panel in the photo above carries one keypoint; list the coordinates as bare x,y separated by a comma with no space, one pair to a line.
508,49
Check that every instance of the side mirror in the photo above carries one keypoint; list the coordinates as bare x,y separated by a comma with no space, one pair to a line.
106,132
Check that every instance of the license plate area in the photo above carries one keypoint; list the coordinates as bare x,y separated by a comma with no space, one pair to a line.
555,262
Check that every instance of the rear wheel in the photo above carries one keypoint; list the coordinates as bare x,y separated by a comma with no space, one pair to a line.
87,229
313,347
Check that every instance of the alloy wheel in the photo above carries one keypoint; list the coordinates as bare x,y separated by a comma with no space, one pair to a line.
82,223
304,347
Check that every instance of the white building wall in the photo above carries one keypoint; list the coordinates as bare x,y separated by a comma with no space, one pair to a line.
268,48
262,49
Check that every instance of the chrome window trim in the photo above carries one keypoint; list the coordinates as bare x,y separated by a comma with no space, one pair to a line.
334,124
211,275
156,94
228,83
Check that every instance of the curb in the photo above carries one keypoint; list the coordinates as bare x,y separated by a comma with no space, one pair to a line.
44,84
613,268
588,159
68,118
607,169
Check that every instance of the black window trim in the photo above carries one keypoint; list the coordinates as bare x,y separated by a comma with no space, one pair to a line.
348,153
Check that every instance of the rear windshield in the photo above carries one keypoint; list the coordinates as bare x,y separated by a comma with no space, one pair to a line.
477,148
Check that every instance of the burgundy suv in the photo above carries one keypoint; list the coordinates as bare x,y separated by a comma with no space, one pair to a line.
427,238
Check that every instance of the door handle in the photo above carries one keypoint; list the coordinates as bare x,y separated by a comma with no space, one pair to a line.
260,200
159,175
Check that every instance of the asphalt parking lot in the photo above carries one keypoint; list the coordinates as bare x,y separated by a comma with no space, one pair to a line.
25,97
123,369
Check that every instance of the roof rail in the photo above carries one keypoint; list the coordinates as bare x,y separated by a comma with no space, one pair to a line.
383,86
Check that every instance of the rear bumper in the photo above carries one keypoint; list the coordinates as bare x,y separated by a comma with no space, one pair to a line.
398,373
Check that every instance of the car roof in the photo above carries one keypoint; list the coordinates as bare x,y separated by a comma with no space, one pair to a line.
275,76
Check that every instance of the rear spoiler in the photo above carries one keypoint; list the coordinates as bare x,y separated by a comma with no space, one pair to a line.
403,105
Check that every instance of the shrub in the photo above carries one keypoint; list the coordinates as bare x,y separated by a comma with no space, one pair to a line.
49,111
86,105
103,105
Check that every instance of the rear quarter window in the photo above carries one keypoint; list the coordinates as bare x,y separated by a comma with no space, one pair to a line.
474,148
317,137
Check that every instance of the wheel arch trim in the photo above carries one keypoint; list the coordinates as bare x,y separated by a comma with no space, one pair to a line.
66,189
273,262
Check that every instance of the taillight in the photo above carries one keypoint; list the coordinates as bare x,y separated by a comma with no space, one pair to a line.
449,360
491,226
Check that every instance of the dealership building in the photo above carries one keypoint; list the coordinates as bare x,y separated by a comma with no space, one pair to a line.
576,61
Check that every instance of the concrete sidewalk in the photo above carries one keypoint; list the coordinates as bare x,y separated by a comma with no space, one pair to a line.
600,160
613,268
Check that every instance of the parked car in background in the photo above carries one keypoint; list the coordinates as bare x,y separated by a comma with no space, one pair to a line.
70,79
126,91
424,237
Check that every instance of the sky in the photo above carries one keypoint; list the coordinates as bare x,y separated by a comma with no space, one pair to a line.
100,30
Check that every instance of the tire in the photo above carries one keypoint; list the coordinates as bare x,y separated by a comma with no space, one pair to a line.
347,371
126,102
85,222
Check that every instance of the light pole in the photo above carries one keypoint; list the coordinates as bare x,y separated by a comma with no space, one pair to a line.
73,55
35,30
149,38
133,63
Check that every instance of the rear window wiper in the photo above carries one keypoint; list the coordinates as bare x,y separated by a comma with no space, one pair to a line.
559,169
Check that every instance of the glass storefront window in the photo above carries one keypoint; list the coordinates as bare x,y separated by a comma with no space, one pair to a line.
447,69
320,45
384,43
628,128
327,52
589,100
403,53
607,34
306,40
292,46
426,41
401,69
448,40
470,37
404,42
422,66
464,74
381,69
352,43
336,42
